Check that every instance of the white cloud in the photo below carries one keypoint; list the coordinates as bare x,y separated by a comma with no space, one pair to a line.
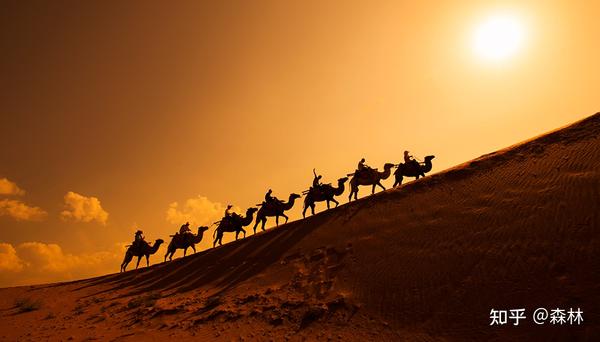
9,261
37,262
80,208
21,211
10,188
198,211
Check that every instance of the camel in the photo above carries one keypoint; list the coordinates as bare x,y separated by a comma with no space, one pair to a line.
274,209
370,177
184,241
411,170
233,224
325,193
144,249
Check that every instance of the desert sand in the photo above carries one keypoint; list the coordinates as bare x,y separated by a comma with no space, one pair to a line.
517,228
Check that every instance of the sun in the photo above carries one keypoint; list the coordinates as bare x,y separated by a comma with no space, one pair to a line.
498,37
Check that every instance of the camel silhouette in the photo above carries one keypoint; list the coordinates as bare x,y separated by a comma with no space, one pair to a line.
412,170
274,209
142,249
326,192
233,224
184,241
369,177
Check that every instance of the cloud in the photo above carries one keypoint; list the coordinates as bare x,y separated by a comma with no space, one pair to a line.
37,262
80,208
10,188
198,211
21,211
9,261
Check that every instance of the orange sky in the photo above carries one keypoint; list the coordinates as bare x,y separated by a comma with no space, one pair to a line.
109,115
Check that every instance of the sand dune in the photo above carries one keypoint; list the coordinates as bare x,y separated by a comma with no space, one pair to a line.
517,228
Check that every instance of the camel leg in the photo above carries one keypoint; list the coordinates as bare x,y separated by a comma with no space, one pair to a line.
373,188
277,220
286,218
125,262
336,202
264,220
312,209
244,232
328,205
185,251
237,232
138,262
256,224
379,183
194,248
147,260
399,180
304,211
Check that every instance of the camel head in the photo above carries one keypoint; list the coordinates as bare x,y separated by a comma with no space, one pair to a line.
294,196
343,180
388,166
158,242
251,211
202,229
429,158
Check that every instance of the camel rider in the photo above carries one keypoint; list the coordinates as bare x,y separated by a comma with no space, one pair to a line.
410,160
317,180
270,199
139,239
228,210
362,167
185,228
228,213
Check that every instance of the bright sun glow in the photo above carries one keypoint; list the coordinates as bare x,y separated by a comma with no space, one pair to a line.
498,37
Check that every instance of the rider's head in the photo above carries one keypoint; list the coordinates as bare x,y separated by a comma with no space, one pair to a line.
139,232
229,206
362,160
319,177
405,152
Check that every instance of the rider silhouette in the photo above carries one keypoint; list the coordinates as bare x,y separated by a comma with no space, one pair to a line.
362,167
269,198
317,180
228,210
139,239
410,160
185,228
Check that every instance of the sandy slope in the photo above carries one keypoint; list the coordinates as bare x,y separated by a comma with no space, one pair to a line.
517,228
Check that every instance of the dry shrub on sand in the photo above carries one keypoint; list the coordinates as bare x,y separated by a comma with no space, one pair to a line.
144,301
27,304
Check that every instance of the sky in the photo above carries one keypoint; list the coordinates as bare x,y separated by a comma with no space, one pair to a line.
147,114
